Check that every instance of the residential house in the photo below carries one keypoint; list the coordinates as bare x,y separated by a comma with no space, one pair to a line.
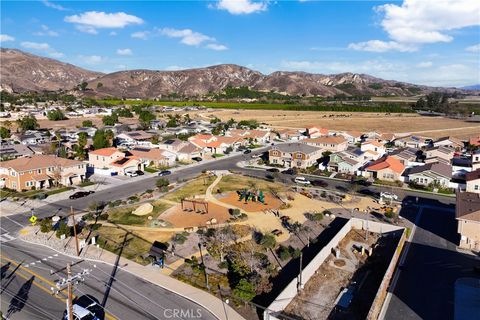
292,155
184,150
216,144
256,136
135,138
439,153
158,124
472,181
375,148
449,142
315,131
352,136
153,157
348,161
111,160
13,151
31,137
41,171
386,138
290,135
474,141
386,168
476,160
330,143
406,156
412,141
467,213
432,173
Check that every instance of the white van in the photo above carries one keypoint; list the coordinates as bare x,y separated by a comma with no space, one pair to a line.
302,180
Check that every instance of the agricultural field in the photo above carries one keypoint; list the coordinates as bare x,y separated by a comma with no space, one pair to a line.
380,122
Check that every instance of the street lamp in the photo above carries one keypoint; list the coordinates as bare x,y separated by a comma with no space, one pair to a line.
204,267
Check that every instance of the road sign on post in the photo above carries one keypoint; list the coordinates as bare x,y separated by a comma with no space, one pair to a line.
33,220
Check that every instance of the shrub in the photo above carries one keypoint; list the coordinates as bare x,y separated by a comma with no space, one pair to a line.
244,290
46,225
283,253
103,216
63,228
180,238
268,241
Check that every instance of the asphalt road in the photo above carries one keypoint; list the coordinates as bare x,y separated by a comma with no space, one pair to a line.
425,287
129,297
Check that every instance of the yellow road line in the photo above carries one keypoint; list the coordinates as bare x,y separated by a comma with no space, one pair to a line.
31,272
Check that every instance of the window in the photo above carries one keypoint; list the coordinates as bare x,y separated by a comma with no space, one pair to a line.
299,163
476,187
13,174
298,156
29,183
39,170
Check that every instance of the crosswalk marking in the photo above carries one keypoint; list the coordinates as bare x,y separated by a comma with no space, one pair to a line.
5,237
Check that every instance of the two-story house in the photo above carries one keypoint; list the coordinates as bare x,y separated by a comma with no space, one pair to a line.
330,143
386,168
292,155
41,171
472,181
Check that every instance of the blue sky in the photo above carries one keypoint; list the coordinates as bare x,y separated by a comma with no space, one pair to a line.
432,42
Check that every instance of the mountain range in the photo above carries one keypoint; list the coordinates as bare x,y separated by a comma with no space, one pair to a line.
25,72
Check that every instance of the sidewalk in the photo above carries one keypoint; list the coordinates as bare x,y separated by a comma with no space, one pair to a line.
149,273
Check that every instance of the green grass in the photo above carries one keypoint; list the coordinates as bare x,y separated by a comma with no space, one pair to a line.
195,187
32,193
86,183
124,215
59,190
217,155
150,170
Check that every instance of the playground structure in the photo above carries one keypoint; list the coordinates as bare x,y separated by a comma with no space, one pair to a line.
195,204
249,195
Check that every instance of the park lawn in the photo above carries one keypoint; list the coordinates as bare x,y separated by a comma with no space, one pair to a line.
32,193
150,170
238,182
217,155
195,187
124,215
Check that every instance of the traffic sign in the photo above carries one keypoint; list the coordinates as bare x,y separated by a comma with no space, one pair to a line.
33,219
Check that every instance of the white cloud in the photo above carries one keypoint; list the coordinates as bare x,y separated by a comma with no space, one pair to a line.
424,64
381,46
112,33
174,68
216,47
140,35
187,36
46,32
92,60
54,6
90,21
124,52
44,47
420,21
474,48
6,37
242,6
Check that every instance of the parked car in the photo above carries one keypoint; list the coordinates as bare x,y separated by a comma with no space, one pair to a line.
290,171
139,172
301,180
270,177
273,170
388,195
369,192
362,182
86,307
80,194
164,173
131,174
197,159
319,183
247,151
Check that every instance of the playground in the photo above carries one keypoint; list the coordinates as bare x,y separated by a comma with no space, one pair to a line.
250,202
195,217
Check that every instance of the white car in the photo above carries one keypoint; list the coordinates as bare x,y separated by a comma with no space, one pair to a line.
131,174
388,195
302,180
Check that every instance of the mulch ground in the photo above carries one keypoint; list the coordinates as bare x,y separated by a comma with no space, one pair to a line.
231,198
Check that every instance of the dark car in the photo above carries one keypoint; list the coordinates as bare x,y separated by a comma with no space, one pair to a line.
86,307
341,188
270,177
197,159
273,170
164,173
362,182
319,183
80,194
139,172
290,171
369,192
247,151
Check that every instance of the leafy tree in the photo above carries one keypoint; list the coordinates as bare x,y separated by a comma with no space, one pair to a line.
268,241
87,123
46,225
28,123
63,228
420,104
110,120
80,148
124,113
283,252
4,133
172,123
99,85
215,120
100,140
162,184
251,124
56,115
217,130
146,116
244,290
83,86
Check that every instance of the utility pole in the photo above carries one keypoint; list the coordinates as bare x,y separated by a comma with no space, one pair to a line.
68,283
204,266
69,294
75,231
300,273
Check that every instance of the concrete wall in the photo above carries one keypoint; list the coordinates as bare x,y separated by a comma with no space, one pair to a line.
290,291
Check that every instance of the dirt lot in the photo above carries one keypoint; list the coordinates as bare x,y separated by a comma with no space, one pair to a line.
179,218
380,122
71,123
